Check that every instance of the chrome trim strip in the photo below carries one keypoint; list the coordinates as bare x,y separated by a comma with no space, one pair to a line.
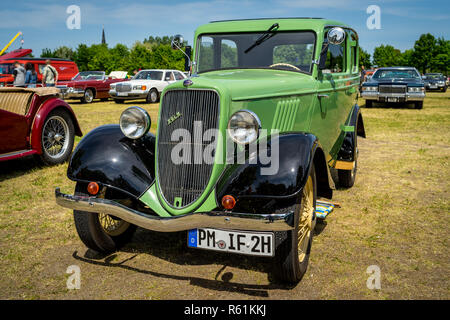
214,219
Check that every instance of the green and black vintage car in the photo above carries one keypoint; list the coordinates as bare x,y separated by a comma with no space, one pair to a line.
243,149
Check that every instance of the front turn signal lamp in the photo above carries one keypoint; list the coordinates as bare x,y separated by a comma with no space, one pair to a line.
228,202
93,188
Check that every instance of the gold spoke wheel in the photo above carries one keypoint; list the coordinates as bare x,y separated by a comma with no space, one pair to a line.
305,221
112,226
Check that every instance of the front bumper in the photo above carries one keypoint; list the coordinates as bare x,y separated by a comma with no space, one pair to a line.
71,93
128,95
214,219
435,86
401,97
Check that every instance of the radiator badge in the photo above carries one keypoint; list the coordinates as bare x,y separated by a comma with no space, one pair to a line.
173,118
187,83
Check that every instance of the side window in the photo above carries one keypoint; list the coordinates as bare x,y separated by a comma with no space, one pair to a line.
169,76
41,68
228,54
354,51
178,76
335,62
206,57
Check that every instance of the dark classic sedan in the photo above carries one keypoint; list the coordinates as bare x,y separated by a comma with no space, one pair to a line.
90,85
435,81
394,84
34,121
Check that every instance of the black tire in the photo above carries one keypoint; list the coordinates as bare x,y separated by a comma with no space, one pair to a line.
153,96
369,104
56,120
93,234
88,96
418,104
288,267
347,177
119,101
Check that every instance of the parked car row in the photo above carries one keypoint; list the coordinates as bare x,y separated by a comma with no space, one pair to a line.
146,84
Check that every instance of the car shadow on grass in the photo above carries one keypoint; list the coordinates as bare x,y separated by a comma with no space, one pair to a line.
172,247
19,167
391,105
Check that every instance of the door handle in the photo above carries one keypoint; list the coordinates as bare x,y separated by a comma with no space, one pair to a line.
323,96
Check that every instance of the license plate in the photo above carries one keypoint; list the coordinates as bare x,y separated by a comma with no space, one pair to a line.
249,243
433,87
392,99
122,93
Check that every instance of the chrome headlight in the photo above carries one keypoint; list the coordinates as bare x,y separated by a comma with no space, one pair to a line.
134,122
112,86
139,87
370,88
244,126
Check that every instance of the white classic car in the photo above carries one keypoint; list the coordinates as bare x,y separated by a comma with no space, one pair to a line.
147,84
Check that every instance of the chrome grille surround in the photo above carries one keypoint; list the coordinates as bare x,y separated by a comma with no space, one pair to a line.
123,87
186,180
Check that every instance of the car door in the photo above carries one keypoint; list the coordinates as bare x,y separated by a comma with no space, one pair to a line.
14,121
332,105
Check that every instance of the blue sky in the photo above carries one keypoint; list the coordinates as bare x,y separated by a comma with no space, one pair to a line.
43,22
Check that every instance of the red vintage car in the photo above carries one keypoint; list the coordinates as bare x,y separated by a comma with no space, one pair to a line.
90,85
34,121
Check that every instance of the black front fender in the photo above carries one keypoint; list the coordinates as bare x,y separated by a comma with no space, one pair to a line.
260,193
109,158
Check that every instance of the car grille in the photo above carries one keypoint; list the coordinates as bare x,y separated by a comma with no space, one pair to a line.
123,87
182,184
392,89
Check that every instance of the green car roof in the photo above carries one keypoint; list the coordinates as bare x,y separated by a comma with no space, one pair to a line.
250,25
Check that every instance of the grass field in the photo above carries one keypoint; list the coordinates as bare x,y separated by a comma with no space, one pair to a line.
396,217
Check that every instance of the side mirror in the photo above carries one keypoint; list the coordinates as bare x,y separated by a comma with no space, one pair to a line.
336,35
177,42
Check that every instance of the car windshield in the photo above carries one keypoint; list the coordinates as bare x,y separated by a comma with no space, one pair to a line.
434,76
6,68
292,51
395,73
149,75
89,75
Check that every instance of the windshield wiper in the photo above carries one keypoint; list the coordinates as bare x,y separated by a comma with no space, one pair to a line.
265,36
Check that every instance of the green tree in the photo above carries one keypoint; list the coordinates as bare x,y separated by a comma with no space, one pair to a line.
406,58
364,59
424,50
64,52
386,56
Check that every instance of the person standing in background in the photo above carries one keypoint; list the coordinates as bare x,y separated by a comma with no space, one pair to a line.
50,75
19,75
30,76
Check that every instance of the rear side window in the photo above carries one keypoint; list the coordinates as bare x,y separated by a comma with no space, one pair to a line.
178,76
335,62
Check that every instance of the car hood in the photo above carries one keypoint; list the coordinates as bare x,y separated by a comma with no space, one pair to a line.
139,82
396,81
253,83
